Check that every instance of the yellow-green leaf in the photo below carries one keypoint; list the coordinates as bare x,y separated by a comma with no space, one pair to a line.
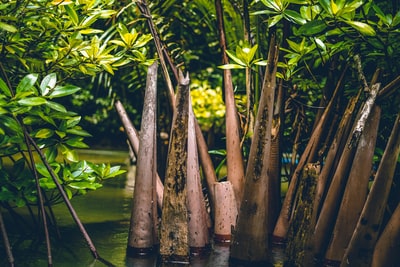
361,27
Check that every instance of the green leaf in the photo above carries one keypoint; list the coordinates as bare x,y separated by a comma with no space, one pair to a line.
89,20
312,28
320,44
84,185
396,20
272,5
79,132
32,101
47,183
231,66
361,27
51,153
60,91
69,154
7,27
48,83
293,16
4,88
56,106
42,170
69,192
76,142
44,133
334,7
72,14
326,5
235,58
72,122
26,84
274,20
90,31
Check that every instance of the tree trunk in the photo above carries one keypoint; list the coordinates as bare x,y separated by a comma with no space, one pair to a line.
143,229
198,230
174,243
350,208
235,168
364,237
250,239
386,252
300,230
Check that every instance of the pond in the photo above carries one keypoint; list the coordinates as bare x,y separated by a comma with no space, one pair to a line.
105,214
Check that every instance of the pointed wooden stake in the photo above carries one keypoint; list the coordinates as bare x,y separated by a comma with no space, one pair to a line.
361,245
386,252
358,180
133,138
250,238
198,230
142,232
174,242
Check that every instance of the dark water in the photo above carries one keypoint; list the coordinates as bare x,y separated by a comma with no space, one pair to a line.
105,214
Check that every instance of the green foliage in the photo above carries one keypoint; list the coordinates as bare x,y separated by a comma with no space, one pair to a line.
45,47
243,58
208,105
56,131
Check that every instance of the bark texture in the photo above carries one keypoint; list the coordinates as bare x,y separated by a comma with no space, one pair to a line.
350,208
174,240
299,233
250,239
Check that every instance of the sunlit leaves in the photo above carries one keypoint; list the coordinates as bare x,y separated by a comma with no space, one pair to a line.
27,83
243,58
362,27
48,83
208,104
279,9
